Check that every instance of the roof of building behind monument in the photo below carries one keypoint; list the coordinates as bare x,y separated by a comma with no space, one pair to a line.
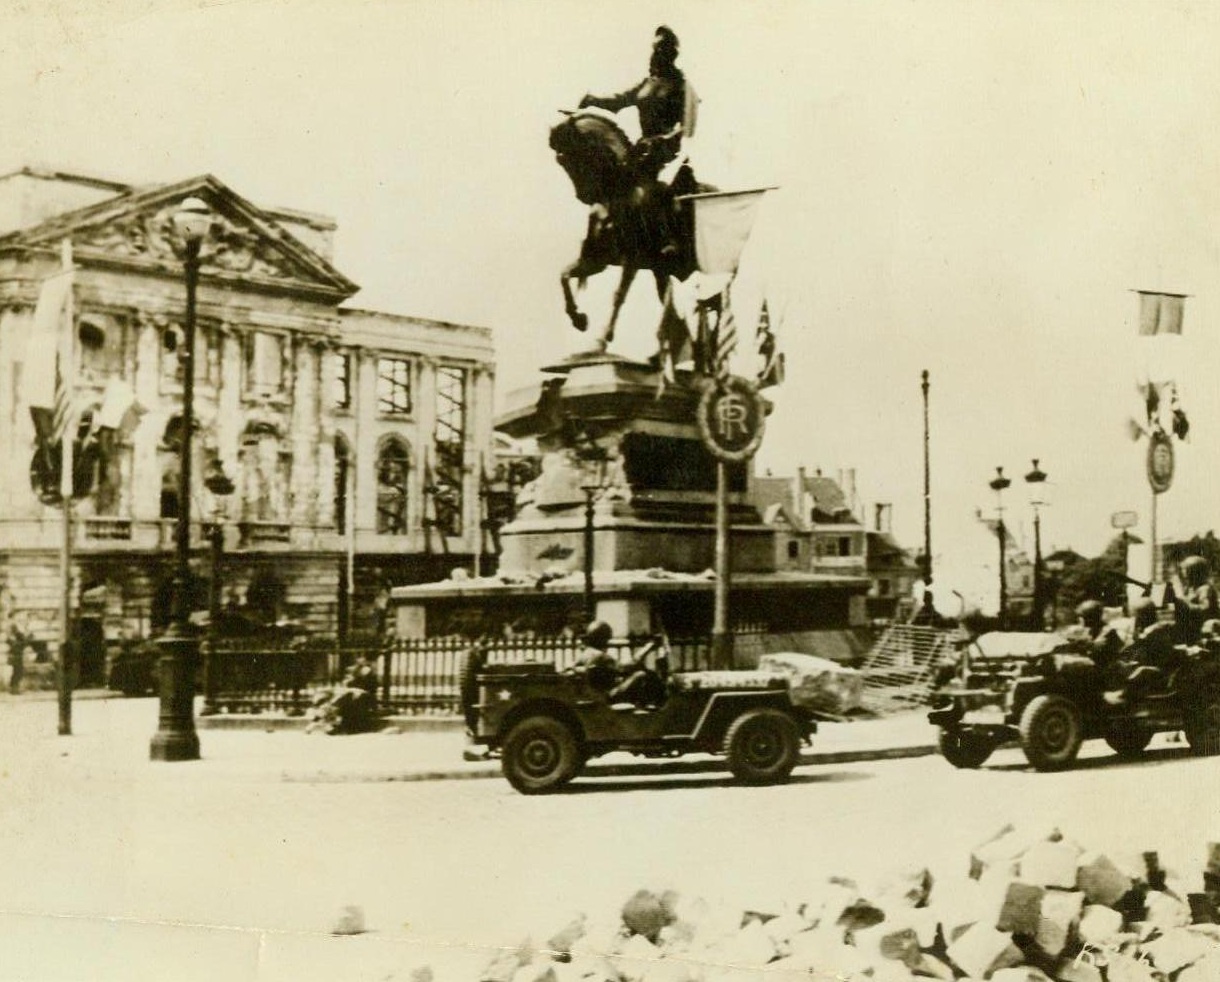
116,224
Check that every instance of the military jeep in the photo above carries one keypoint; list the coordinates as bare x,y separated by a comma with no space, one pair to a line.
546,723
1045,692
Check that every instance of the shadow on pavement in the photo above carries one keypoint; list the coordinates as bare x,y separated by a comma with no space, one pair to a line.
594,785
1162,755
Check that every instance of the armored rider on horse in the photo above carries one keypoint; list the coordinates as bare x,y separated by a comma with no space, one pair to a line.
635,220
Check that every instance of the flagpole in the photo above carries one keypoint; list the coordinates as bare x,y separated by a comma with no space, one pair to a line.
722,641
68,381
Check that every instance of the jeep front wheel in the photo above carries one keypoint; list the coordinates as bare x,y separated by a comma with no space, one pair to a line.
541,754
964,748
762,746
1051,732
1128,739
1202,723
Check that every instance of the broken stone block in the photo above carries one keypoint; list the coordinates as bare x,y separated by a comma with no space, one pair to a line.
1060,913
1050,864
749,946
910,888
1022,973
891,972
1021,910
1101,881
1005,851
506,964
923,921
1177,948
859,916
828,901
825,949
1165,912
1078,969
349,921
1098,925
600,938
933,968
634,956
592,970
645,914
1206,969
561,942
1125,968
538,970
982,949
887,942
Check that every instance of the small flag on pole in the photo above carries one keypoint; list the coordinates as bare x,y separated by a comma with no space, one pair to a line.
772,371
1160,313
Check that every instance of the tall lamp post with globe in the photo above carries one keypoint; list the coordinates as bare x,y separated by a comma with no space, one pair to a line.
176,738
1036,481
999,484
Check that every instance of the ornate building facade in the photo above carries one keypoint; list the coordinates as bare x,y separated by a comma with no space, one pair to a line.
355,440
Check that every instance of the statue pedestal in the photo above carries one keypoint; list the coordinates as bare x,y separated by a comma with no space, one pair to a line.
613,434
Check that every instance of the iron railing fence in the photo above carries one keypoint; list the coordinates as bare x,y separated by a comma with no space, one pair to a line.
416,676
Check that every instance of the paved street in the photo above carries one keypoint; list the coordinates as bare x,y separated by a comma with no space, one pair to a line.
440,867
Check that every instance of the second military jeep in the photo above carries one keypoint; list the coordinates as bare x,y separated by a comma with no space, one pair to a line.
1045,692
546,723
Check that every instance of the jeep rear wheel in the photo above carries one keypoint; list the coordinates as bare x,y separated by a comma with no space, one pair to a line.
964,748
762,746
1202,722
1128,739
541,754
1051,732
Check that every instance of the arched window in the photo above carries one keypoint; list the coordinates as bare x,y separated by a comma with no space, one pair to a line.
393,470
343,466
92,337
171,441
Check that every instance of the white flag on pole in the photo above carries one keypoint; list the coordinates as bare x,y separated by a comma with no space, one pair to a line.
723,221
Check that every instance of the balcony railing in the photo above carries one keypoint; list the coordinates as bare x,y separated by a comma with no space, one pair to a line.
108,529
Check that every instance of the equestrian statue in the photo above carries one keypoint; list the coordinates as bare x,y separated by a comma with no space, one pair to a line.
636,218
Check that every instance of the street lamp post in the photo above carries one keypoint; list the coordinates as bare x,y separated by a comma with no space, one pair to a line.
1036,479
998,484
176,738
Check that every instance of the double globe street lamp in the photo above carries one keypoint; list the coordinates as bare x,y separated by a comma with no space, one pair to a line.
176,738
1036,482
999,484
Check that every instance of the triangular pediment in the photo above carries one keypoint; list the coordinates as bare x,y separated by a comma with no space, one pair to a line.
244,244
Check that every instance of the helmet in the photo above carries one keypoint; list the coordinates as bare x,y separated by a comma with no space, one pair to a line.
1194,570
1089,610
598,635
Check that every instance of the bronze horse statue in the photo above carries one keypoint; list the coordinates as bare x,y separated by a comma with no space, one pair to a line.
635,221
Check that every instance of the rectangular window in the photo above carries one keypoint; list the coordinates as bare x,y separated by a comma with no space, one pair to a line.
341,380
844,546
265,362
393,386
449,477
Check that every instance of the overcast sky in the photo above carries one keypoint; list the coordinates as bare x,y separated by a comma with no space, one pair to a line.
969,188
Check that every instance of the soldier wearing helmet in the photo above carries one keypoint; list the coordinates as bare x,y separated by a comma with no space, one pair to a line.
1198,603
600,667
1103,641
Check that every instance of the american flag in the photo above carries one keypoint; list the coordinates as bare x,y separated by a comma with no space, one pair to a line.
726,336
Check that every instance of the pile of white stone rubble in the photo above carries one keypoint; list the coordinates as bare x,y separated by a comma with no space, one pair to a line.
1030,908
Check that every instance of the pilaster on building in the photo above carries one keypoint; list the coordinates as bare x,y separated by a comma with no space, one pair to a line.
326,417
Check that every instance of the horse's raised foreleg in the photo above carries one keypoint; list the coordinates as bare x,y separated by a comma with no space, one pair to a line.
576,271
620,295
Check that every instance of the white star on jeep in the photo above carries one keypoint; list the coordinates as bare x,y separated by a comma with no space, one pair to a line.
504,695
